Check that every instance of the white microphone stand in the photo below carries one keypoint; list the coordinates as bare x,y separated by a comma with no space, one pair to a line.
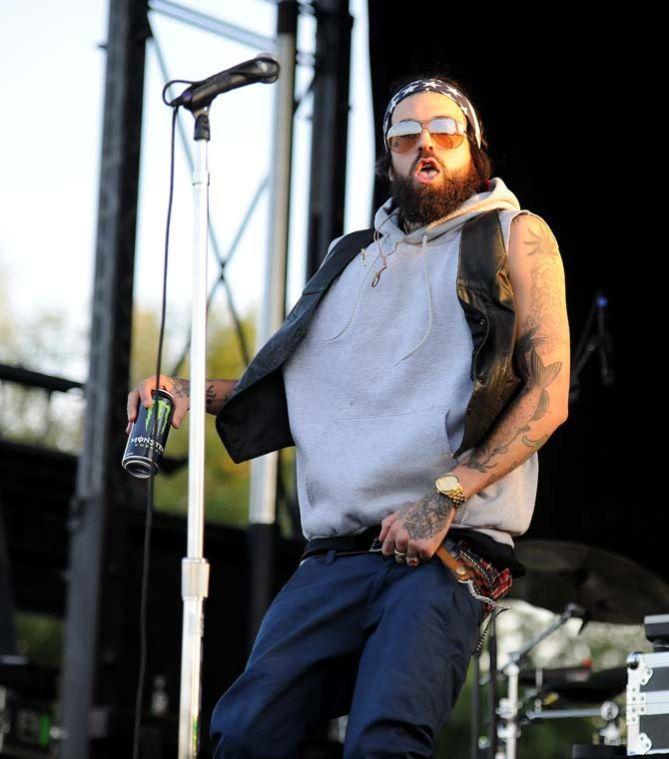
195,568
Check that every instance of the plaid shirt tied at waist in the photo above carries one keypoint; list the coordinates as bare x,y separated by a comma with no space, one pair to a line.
488,585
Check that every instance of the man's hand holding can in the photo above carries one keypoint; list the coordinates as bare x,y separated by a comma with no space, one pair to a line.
178,388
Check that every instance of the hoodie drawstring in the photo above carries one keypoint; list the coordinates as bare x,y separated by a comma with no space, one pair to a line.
426,277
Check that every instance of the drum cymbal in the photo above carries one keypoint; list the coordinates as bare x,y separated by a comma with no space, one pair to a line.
578,684
609,587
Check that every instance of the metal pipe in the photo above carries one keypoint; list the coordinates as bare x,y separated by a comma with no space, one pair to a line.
262,499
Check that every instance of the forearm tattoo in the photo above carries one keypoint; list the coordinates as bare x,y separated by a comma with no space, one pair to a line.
214,398
181,387
218,395
210,397
427,517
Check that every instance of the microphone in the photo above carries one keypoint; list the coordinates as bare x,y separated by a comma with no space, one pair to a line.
263,68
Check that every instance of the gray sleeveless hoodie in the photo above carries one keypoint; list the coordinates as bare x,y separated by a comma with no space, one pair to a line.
378,388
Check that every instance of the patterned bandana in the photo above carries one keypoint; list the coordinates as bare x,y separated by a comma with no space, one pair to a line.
432,85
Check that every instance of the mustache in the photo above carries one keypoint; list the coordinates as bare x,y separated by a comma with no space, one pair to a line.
425,204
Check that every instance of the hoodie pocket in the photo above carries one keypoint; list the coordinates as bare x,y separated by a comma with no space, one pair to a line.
381,460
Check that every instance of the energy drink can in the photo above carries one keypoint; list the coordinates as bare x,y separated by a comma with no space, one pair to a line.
148,436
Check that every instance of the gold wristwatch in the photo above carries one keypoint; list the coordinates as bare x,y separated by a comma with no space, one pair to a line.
450,486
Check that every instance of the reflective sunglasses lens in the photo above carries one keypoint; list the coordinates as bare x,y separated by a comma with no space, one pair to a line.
403,143
447,140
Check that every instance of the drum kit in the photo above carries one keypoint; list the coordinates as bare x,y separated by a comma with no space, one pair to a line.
591,584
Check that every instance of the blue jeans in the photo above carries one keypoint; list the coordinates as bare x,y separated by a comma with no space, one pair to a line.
362,635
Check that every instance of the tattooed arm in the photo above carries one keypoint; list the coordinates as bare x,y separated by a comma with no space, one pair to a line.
541,355
542,358
216,394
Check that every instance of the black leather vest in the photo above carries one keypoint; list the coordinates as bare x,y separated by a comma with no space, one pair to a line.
254,421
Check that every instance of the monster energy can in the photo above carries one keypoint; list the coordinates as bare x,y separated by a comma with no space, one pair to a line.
148,436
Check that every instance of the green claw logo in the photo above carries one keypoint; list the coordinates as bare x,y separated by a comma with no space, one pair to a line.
161,418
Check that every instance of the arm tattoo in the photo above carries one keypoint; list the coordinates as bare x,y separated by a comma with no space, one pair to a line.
536,401
210,397
428,516
218,393
543,243
181,387
547,295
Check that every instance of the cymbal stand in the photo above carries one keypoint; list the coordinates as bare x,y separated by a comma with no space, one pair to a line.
509,730
609,712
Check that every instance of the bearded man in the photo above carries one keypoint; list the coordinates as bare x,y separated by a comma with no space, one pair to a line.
425,363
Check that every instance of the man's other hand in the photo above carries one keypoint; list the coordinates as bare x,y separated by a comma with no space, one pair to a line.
417,529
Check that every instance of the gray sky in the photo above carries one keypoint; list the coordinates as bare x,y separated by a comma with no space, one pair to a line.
49,150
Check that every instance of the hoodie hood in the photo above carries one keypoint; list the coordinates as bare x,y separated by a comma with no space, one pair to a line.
497,196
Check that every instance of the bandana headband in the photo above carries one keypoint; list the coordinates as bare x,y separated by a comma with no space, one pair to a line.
432,85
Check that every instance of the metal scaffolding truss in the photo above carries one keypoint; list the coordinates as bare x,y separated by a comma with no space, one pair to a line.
243,36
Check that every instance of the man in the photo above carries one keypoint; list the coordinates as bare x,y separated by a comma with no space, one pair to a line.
417,377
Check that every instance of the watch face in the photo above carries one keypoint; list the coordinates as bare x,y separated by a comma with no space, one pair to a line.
448,482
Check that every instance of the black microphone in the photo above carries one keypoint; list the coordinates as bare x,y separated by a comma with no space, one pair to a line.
263,68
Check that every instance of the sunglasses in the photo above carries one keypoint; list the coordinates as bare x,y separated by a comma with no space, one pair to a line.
446,132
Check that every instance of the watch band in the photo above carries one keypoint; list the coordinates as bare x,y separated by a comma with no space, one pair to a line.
453,490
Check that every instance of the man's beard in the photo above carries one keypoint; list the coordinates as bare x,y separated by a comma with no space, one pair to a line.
420,204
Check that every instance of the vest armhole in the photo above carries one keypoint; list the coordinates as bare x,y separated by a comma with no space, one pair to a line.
506,227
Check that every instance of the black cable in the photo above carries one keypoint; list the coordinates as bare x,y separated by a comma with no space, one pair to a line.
142,620
143,647
167,102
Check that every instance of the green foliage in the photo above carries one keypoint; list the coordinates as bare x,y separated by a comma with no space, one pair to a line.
31,415
56,420
39,638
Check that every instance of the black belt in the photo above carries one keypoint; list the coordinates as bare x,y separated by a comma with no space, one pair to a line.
363,542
